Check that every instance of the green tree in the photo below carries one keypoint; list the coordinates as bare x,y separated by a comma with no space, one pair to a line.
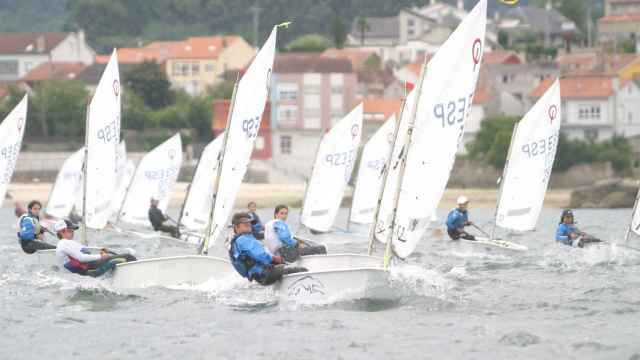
363,27
373,62
309,43
492,140
148,81
58,108
503,39
339,32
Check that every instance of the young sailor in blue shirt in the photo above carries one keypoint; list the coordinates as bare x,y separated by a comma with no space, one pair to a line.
568,233
30,232
256,225
457,219
249,257
280,240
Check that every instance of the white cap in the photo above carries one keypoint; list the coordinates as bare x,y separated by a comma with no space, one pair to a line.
59,225
462,200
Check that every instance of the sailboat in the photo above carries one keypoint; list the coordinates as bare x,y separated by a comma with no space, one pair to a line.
248,103
11,135
430,143
527,171
195,212
634,227
374,158
67,187
155,177
125,171
331,172
102,135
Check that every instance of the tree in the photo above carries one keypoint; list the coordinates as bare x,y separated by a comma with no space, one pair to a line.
363,27
503,39
373,62
58,108
491,143
148,81
309,43
339,32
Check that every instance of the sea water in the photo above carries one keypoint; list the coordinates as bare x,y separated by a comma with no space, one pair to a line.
552,302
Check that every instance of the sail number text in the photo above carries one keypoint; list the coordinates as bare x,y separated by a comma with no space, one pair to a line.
453,112
540,147
251,127
340,158
10,155
109,133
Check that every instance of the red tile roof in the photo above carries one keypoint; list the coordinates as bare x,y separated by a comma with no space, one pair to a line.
579,87
384,106
500,57
199,47
621,18
29,43
54,71
415,67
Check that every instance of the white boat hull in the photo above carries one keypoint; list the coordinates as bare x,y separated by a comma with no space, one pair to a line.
336,285
338,261
171,271
491,246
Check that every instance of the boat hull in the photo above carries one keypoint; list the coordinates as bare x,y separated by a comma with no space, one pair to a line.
328,286
490,246
338,261
171,271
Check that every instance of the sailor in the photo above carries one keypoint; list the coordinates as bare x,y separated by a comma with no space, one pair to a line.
280,240
249,257
569,234
157,219
457,219
256,225
30,231
77,259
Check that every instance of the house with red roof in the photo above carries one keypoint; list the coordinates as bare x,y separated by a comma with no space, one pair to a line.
621,21
596,106
22,52
192,64
53,70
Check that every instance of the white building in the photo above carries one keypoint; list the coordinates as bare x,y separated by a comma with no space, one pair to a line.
21,52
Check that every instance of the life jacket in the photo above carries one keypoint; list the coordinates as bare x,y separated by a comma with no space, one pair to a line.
76,266
37,228
242,263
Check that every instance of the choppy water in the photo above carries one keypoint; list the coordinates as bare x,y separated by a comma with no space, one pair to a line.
552,303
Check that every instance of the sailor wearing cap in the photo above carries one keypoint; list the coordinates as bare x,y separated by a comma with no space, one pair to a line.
76,258
457,219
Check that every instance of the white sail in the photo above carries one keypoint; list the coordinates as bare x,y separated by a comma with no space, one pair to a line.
332,171
102,139
155,177
11,134
635,217
124,173
250,100
67,188
528,168
443,105
370,175
197,204
385,213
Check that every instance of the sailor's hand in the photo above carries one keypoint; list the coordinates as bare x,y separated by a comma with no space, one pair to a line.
104,253
277,260
300,243
468,223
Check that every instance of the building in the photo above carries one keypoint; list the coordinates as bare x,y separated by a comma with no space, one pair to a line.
597,107
548,25
192,64
621,21
53,70
376,112
309,93
22,52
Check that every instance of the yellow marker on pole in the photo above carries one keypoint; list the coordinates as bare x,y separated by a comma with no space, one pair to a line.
284,24
509,2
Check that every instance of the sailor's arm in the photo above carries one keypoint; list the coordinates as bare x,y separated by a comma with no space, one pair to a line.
255,250
284,235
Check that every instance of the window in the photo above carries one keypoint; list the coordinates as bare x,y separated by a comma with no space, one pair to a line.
287,114
288,91
410,22
175,68
411,32
184,69
630,118
195,68
28,65
285,144
505,79
9,67
208,67
589,112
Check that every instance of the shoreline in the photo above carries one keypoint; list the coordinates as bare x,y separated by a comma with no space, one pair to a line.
270,195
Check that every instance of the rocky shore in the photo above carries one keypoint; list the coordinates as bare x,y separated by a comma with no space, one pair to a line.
608,194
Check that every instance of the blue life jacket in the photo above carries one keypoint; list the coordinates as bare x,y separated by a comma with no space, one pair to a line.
28,227
241,262
249,256
456,219
563,231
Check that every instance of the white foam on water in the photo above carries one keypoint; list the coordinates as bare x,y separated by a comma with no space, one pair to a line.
422,281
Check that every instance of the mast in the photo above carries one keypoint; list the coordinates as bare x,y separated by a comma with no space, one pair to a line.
204,249
403,166
85,164
633,213
385,176
502,180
